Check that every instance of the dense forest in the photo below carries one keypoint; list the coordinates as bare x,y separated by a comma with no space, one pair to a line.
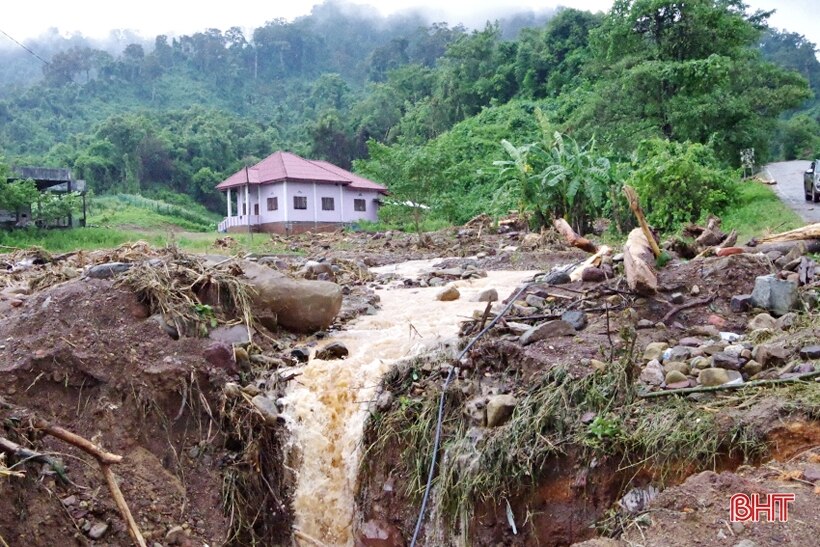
547,113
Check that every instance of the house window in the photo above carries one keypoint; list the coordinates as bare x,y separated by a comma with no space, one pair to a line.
244,209
300,202
256,209
327,204
273,204
359,205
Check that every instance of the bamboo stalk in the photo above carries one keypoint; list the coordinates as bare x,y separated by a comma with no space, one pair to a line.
725,387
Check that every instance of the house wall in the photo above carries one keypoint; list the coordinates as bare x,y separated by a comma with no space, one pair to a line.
372,211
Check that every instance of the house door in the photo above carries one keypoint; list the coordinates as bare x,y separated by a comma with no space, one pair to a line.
256,209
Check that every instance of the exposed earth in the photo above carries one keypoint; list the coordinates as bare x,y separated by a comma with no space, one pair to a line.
588,413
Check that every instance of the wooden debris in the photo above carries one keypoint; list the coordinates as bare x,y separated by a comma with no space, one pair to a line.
692,304
712,235
594,260
572,238
639,263
811,231
635,205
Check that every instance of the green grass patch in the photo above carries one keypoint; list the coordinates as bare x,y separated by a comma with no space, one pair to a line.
134,211
758,211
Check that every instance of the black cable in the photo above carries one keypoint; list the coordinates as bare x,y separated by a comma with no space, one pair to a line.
437,440
22,46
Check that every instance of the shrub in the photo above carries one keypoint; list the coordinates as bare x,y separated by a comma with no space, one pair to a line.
680,182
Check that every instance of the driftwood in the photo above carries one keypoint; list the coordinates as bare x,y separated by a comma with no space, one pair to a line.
594,260
811,231
13,449
639,264
692,304
712,235
563,227
812,246
635,205
730,240
105,459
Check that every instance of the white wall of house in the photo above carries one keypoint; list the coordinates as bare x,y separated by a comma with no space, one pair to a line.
370,213
343,203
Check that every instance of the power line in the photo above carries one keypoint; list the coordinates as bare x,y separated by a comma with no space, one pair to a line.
22,46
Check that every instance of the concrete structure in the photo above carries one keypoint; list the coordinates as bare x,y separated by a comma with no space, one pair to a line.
46,179
287,194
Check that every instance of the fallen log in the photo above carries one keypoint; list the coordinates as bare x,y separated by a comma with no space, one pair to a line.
811,231
812,246
563,227
730,240
639,263
594,260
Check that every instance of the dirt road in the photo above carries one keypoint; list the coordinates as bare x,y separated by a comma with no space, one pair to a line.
789,177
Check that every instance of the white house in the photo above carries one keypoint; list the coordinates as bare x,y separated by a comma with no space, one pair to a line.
287,194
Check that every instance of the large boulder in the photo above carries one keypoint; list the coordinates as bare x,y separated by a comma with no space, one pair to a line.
776,295
296,304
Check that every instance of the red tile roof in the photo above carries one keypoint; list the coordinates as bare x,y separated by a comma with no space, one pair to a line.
281,166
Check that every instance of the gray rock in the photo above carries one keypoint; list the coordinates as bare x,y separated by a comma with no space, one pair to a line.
810,352
741,303
233,334
745,543
518,328
812,473
108,270
384,401
699,363
535,301
332,351
677,353
690,342
654,350
175,535
762,321
771,355
557,277
713,377
499,409
577,319
296,304
550,329
98,530
775,295
735,350
787,321
653,374
804,368
436,282
314,269
676,298
448,295
379,533
726,361
487,295
266,408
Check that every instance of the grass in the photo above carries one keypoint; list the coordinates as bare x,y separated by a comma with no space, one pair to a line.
137,211
758,211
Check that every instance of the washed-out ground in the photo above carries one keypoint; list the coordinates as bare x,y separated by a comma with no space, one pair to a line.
573,453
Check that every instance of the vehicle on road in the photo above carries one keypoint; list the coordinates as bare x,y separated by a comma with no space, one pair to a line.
811,182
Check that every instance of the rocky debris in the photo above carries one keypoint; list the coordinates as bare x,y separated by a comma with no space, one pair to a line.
487,295
786,321
221,355
297,305
550,329
810,352
577,319
741,303
535,301
108,270
556,277
713,377
233,334
175,535
675,377
266,408
593,274
334,350
300,354
762,321
499,409
98,530
773,294
726,361
654,350
313,269
771,355
653,373
448,295
379,533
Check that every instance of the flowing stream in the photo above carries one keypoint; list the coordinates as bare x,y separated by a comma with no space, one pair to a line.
326,407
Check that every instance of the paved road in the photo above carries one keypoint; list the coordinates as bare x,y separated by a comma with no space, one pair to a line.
789,177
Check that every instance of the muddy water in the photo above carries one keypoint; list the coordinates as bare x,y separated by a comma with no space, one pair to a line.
326,408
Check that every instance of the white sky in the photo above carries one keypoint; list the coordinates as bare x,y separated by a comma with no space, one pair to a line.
25,19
